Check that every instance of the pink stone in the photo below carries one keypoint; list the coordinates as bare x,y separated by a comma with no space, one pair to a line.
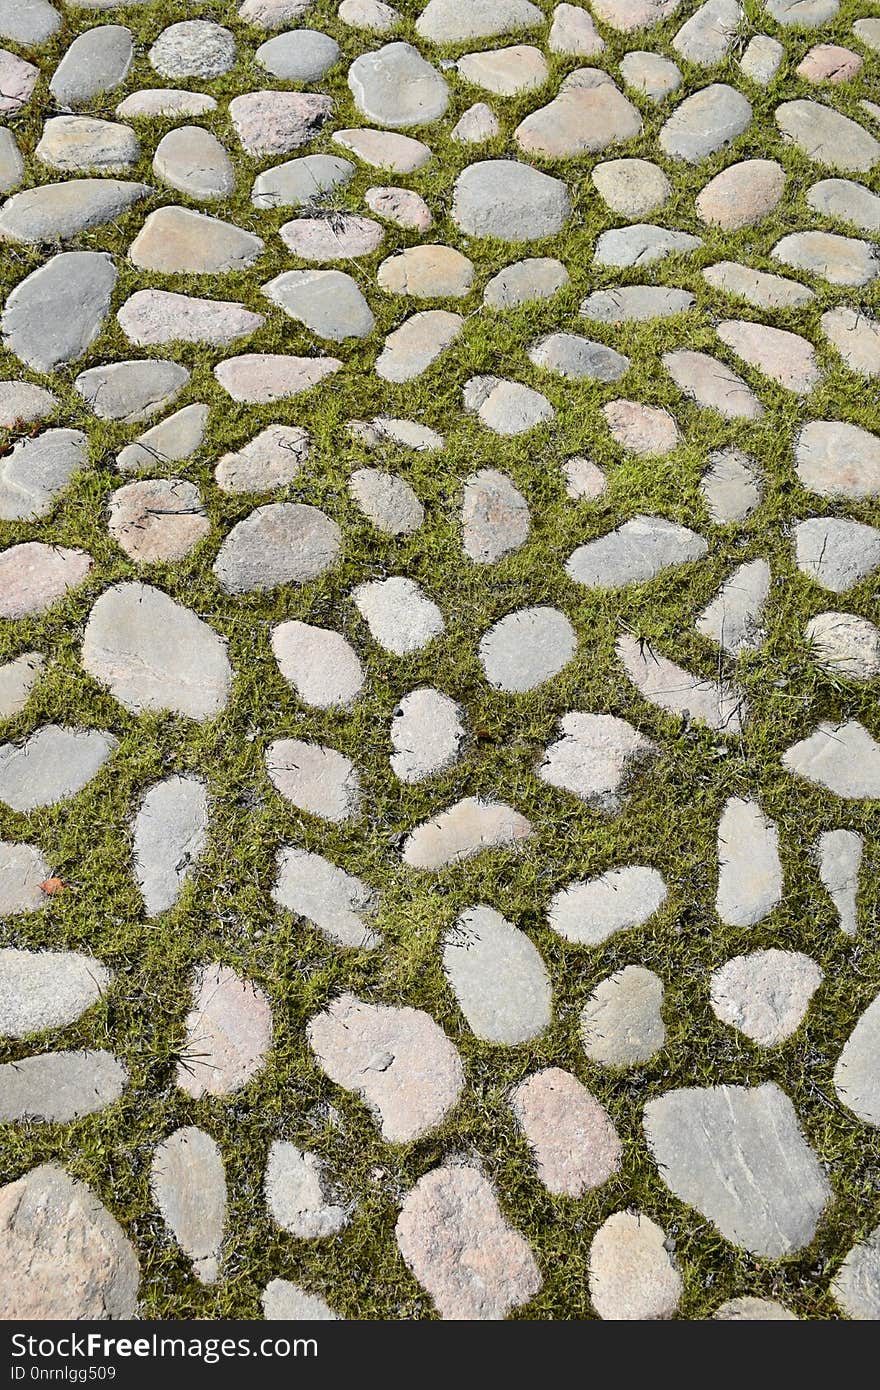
572,1135
828,62
260,377
277,122
17,82
400,205
33,576
643,429
228,1033
334,238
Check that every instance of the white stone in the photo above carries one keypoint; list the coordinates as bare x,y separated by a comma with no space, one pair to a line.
637,551
315,778
498,977
589,912
840,858
595,758
400,616
337,903
295,1188
527,648
426,733
463,830
842,757
320,664
170,837
45,989
766,994
188,1183
228,1034
733,618
857,1074
621,1022
51,765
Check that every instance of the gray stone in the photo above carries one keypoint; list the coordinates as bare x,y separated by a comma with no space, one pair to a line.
59,1086
840,858
228,1034
320,664
82,142
595,758
23,869
17,680
383,430
756,286
753,1310
283,543
621,1022
761,59
154,654
164,101
11,161
174,438
400,616
272,14
29,23
21,403
856,1285
335,902
765,995
838,460
856,337
152,318
636,303
58,211
193,161
588,115
737,1154
525,282
494,516
398,1060
527,648
589,912
96,62
51,765
410,349
56,312
868,31
842,757
286,1302
303,55
802,14
465,829
835,551
170,837
34,576
733,618
571,1134
705,122
176,240
426,734
188,1183
577,359
826,137
650,73
749,869
62,1255
506,407
46,989
633,1276
476,125
270,460
295,1188
712,384
17,82
706,37
36,469
509,200
131,391
840,260
857,1074
395,86
334,237
327,302
300,181
314,778
846,201
193,48
157,519
384,149
574,33
634,553
505,71
274,123
730,486
498,977
641,244
387,501
261,377
444,21
632,187
845,644
451,1231
372,15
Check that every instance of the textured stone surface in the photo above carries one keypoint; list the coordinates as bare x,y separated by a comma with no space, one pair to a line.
632,187
320,664
83,142
174,438
766,994
509,200
527,648
193,48
856,1285
314,778
22,870
395,86
188,1183
595,758
575,358
842,757
131,391
857,1074
742,194
632,1275
505,71
58,211
589,114
282,543
826,137
621,1023
733,618
270,460
328,302
711,383
525,282
400,616
296,1196
756,286
465,829
260,378
426,734
51,765
786,358
410,349
177,239
427,272
335,238
59,1086
589,912
495,517
193,161
300,181
753,1310
634,553
159,519
498,977
228,1034
34,576
835,551
642,429
17,680
286,1302
840,260
719,704
572,1136
705,122
35,470
96,62
336,902
274,123
840,858
749,868
170,837
45,989
303,55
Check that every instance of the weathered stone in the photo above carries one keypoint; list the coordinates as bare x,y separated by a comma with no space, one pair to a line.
295,1188
82,142
188,1184
131,391
52,764
525,282
337,237
193,161
410,349
631,187
590,912
840,260
571,1134
164,101
476,125
11,161
733,618
838,460
314,778
29,23
736,1153
846,201
621,1022
632,1274
753,1310
868,31
506,407
399,614
335,902
742,194
384,149
21,403
840,858
786,358
705,122
96,62
170,837
36,469
444,21
228,1034
634,553
174,438
577,359
58,1087
152,318
286,1302
282,543
395,86
650,73
158,519
730,486
495,517
328,302
626,15
176,240
641,244
574,33
23,869
301,181
34,576
527,648
595,758
829,62
427,272
845,645
372,15
155,654
856,337
835,551
856,1285
320,664
712,384
193,48
458,1244
857,1074
826,137
398,1060
643,429
303,55
505,71
272,14
498,977
802,14
509,200
62,1255
589,114
426,734
273,123
383,430
17,680
270,460
261,377
706,37
756,286
749,869
765,995
45,989
465,829
58,211
402,206
17,82
387,501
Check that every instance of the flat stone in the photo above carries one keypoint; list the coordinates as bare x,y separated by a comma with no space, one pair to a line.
176,240
383,430
444,21
840,858
465,829
641,244
845,645
802,14
589,114
868,32
856,1285
454,1237
829,62
505,71
320,664
426,734
838,460
826,137
296,1193
193,161
228,1034
36,469
21,403
400,616
595,758
273,123
838,259
384,149
11,161
733,618
749,869
857,1074
631,187
706,37
131,391
336,237
58,1087
737,1155
511,201
34,576
174,438
82,142
498,977
506,407
188,1183
159,519
626,15
395,86
527,648
170,837
96,62
23,869
705,122
632,1274
712,384
154,654
58,211
571,1135
765,995
398,1060
577,359
574,33
371,15
525,282
835,551
17,82
427,272
753,1310
642,429
761,59
387,501
151,318
164,101
17,680
842,757
730,486
402,206
650,74
327,302
272,14
742,194
314,778
29,23
756,286
259,378
63,1255
51,765
303,55
286,1302
300,182
476,125
337,903
786,358
634,553
410,349
856,337
589,912
271,460
193,48
46,989
621,1022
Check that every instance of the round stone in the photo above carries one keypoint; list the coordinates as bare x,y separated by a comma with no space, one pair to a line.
621,1022
571,1134
303,55
400,616
395,86
45,989
283,543
509,200
387,501
193,161
159,519
426,734
527,648
631,187
494,517
498,977
193,48
742,194
315,778
51,765
320,664
34,576
632,1275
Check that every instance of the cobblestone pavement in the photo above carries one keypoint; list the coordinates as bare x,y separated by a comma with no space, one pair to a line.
439,538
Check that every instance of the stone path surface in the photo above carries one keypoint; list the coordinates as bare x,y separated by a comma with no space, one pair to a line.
439,659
